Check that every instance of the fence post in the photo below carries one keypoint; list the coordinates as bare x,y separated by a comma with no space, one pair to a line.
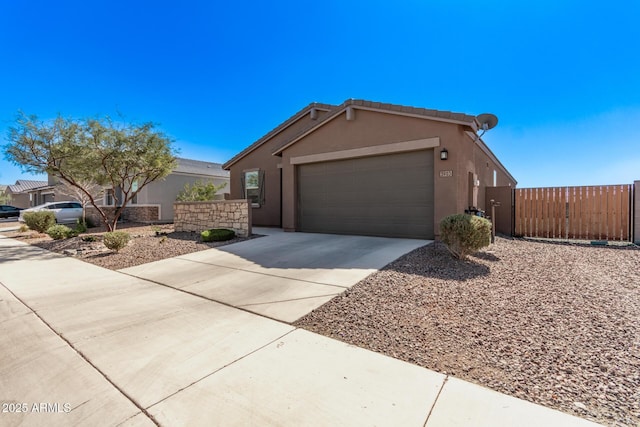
635,212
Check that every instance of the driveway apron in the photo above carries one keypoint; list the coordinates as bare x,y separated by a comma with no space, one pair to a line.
282,276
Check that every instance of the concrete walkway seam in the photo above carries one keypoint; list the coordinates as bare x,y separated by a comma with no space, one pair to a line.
259,272
79,353
221,368
203,297
435,401
286,300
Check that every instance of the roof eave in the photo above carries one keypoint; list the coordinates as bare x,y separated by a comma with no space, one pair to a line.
206,175
484,147
274,132
278,152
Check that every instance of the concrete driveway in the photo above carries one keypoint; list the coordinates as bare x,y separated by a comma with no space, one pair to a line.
282,276
82,345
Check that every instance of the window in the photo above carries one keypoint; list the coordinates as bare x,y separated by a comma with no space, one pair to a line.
134,188
253,186
109,197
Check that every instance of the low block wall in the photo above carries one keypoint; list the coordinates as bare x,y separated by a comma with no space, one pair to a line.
135,213
199,216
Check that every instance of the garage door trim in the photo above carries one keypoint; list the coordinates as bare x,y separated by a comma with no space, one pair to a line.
388,195
374,150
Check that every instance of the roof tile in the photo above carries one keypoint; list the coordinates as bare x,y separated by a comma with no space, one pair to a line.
198,167
378,106
23,185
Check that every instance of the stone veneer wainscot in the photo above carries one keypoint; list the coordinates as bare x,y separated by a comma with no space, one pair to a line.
199,216
131,213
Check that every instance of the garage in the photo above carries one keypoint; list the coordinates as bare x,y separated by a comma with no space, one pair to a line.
388,195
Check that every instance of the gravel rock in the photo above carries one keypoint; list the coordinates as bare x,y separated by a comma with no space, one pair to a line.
555,324
147,244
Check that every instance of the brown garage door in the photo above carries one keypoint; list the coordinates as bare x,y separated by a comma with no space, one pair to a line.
389,195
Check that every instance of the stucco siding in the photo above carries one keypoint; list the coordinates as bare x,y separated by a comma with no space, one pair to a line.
369,132
369,128
19,200
268,214
164,192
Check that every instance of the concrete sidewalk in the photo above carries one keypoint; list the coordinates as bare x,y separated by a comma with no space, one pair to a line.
91,346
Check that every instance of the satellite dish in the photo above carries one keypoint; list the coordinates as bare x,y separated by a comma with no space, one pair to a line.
487,121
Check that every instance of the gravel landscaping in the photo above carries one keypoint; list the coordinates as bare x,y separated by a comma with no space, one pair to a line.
148,243
555,324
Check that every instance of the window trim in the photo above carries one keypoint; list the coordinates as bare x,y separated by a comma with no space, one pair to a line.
106,197
259,188
134,188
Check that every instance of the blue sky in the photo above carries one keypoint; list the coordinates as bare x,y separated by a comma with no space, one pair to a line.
562,76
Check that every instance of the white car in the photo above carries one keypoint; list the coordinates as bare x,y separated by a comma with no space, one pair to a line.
65,212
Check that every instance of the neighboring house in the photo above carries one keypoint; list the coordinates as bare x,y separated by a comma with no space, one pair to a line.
165,191
366,168
20,193
155,201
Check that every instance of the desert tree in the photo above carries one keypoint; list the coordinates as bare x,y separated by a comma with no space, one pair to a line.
81,193
4,198
199,191
87,152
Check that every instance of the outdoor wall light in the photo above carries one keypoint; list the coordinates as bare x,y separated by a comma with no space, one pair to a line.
444,154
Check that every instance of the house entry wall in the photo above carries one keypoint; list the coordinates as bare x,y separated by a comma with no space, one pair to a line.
592,213
502,213
387,195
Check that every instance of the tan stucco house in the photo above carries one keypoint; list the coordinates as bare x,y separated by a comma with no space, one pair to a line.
366,168
163,193
20,192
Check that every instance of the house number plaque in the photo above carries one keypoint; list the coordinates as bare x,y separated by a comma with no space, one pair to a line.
446,174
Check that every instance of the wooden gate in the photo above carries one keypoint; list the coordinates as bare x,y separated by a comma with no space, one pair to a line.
591,213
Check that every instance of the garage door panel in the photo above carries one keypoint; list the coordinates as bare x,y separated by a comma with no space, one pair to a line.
390,195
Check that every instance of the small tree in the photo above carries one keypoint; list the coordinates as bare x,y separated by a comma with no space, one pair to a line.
199,191
83,152
81,194
5,199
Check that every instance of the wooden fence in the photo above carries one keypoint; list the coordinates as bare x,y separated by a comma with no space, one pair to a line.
591,213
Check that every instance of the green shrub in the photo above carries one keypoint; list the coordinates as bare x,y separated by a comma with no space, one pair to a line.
159,231
115,240
89,238
23,228
217,235
81,227
58,232
89,223
464,234
39,221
